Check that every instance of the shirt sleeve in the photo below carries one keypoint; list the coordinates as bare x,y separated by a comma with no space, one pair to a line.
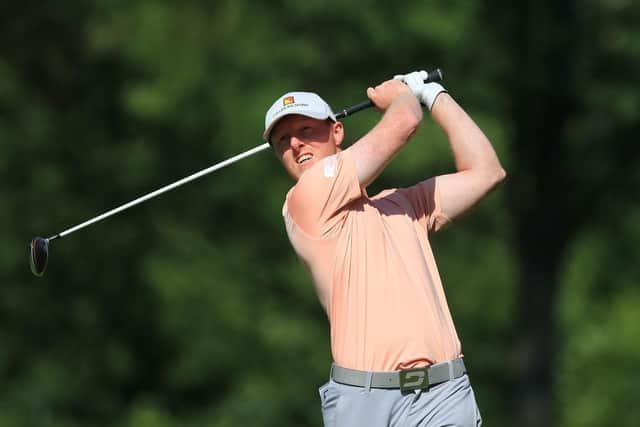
319,200
424,198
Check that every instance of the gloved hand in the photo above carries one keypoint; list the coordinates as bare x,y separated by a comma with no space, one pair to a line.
425,92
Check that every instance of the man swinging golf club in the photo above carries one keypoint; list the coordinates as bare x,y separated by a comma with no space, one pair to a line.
397,357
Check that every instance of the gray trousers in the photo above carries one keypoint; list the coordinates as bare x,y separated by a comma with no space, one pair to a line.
451,403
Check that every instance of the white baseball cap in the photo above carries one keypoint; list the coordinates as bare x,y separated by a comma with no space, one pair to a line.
304,103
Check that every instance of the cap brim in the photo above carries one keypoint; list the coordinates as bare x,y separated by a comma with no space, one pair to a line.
314,115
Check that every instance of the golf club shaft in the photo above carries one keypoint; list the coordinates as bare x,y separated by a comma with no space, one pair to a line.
433,76
164,189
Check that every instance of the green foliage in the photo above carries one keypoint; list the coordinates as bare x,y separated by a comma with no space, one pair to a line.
192,309
599,327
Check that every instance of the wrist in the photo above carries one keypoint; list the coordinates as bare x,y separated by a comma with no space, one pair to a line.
430,92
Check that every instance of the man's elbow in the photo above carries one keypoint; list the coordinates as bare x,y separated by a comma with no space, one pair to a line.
489,177
496,176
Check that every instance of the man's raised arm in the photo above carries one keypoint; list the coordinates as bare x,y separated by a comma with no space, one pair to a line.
477,165
402,116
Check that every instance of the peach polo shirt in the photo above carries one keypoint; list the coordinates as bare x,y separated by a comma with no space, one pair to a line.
373,266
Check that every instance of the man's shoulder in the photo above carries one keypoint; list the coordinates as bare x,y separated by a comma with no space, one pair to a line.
285,211
319,175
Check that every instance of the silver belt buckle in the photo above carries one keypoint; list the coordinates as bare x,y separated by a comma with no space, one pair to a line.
413,379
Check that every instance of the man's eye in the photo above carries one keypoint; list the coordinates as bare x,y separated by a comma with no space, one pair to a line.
283,139
307,131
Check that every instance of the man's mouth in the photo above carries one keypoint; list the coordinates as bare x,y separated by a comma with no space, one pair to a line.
304,158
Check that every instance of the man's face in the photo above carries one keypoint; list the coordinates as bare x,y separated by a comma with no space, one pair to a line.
300,142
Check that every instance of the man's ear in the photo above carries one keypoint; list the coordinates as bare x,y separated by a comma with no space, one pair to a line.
338,132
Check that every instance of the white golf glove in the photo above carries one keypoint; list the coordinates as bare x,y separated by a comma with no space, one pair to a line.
425,92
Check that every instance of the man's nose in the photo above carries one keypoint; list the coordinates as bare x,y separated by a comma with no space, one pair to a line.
296,142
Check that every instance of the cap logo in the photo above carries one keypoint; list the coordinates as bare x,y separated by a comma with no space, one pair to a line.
288,100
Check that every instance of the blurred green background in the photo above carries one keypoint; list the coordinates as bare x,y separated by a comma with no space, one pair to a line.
192,310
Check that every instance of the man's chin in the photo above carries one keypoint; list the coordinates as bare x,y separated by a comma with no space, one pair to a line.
299,169
305,165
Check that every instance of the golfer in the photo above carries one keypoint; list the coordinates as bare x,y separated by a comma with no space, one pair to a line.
397,356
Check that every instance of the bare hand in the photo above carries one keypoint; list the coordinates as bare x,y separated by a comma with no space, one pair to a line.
386,92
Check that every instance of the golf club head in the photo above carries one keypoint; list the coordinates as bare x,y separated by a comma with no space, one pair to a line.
39,255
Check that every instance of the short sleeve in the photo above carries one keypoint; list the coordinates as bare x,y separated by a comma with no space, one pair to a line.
318,201
424,198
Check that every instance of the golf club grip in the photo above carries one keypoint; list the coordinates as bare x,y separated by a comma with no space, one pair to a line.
432,76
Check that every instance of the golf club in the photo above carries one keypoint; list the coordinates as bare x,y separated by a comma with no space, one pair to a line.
39,247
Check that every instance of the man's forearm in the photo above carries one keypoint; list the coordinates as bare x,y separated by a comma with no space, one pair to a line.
472,150
376,149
